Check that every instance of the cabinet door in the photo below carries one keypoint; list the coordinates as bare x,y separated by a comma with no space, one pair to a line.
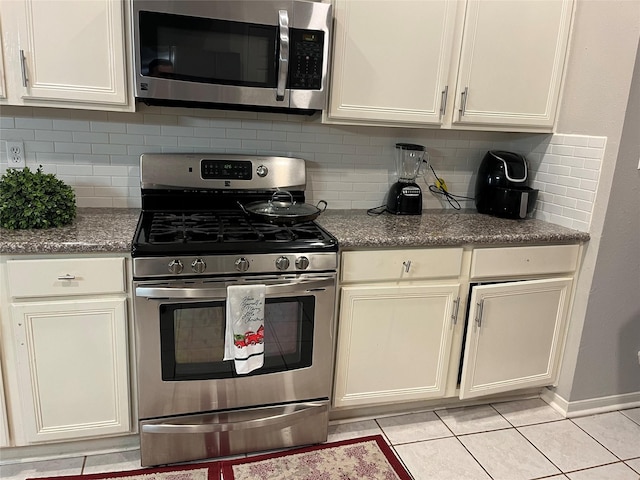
72,50
391,60
393,343
4,424
3,89
514,336
512,60
73,368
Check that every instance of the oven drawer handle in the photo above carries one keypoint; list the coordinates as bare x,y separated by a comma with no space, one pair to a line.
196,292
308,410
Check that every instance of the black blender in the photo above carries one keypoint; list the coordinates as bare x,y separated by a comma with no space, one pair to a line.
405,196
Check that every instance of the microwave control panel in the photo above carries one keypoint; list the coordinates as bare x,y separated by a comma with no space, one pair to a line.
305,70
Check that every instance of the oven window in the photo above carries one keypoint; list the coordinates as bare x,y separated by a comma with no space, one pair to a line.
192,338
207,51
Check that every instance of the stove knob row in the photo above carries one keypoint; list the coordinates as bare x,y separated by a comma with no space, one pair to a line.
175,266
198,265
283,263
242,264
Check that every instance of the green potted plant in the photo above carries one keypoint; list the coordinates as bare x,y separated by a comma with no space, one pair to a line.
35,200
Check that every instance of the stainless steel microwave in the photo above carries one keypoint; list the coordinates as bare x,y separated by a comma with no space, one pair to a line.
239,54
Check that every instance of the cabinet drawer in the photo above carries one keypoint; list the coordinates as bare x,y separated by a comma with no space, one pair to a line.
508,261
407,264
69,276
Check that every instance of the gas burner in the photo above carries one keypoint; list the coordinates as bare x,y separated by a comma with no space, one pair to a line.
167,228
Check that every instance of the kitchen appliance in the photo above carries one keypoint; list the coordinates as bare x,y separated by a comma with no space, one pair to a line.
405,196
502,185
192,242
257,55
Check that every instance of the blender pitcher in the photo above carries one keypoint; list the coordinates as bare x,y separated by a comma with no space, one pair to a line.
405,196
409,159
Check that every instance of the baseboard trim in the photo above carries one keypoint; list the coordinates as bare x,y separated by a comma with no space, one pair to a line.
79,448
590,406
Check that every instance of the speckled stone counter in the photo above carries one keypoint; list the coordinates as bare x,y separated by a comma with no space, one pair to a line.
356,229
95,230
104,230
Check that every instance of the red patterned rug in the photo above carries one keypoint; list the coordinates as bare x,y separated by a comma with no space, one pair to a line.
367,458
196,471
361,458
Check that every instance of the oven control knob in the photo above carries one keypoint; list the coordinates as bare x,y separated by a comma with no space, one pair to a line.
262,171
175,266
198,265
242,264
302,263
282,263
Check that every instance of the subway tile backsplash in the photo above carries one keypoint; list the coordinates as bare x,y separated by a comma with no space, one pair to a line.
351,167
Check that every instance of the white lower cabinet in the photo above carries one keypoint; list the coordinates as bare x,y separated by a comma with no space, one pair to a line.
401,337
73,367
65,338
514,334
394,343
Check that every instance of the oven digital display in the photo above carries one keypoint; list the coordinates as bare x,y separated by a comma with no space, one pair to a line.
226,169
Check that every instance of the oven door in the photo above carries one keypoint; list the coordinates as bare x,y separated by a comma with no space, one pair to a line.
180,329
231,52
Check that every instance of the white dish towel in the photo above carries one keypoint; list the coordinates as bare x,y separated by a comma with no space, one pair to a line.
244,334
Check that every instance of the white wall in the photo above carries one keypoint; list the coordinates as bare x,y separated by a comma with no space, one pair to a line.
350,167
599,76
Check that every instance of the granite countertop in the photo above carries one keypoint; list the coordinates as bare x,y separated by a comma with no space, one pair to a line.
95,230
104,230
357,229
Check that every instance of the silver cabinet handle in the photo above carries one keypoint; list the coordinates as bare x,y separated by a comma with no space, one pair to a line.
480,306
443,100
23,68
67,276
454,315
407,265
283,58
463,101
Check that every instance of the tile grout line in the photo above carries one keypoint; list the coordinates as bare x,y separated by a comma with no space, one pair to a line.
529,441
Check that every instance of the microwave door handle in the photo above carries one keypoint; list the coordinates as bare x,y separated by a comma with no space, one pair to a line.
283,58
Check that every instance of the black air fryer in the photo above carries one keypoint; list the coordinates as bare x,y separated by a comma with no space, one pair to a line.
502,186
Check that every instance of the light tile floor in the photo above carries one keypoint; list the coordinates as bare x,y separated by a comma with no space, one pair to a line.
520,440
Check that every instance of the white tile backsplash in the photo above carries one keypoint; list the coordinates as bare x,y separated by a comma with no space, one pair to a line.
349,167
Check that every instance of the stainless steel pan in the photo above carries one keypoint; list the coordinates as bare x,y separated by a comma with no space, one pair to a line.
283,211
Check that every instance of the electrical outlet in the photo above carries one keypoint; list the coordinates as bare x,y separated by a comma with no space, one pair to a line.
15,154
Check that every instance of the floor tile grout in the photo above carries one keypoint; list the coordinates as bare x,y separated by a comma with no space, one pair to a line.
388,435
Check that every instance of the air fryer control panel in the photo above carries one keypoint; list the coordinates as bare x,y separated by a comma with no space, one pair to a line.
305,69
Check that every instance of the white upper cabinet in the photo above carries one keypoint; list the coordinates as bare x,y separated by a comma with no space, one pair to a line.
511,63
392,60
3,89
68,53
475,64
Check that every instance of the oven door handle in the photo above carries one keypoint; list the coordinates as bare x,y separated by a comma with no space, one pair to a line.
200,292
309,409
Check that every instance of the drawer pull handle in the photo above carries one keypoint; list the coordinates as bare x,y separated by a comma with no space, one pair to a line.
67,277
407,265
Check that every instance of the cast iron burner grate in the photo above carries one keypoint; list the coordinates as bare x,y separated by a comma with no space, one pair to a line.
175,228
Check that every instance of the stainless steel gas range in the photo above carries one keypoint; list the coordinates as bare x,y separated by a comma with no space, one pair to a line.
193,241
